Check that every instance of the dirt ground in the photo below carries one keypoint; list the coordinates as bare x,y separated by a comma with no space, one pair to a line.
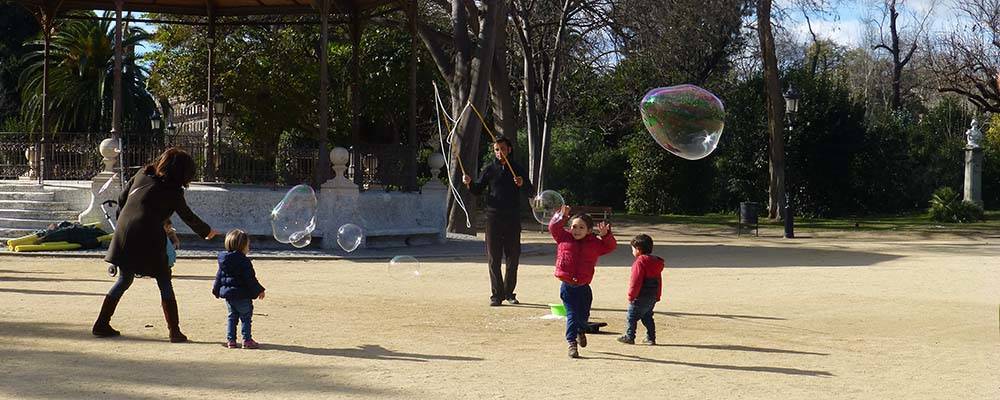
841,317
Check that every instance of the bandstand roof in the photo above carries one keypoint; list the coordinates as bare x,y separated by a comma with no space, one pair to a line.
217,7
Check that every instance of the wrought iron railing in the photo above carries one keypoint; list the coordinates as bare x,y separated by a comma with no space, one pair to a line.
384,165
67,156
13,161
288,164
75,156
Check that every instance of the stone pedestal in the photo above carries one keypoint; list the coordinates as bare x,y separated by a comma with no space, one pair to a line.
338,201
973,175
107,185
435,194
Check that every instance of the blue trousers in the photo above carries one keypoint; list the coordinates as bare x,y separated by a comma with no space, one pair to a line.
577,300
239,310
641,309
126,278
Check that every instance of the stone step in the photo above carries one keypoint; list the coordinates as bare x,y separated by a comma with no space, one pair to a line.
8,186
34,205
12,233
26,223
64,215
36,196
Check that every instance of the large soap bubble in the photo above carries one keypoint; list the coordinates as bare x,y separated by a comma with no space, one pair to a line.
349,237
300,239
294,218
545,205
685,119
403,266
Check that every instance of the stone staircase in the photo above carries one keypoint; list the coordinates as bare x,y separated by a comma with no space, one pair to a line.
26,207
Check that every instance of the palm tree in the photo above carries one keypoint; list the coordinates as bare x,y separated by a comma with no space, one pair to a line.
81,79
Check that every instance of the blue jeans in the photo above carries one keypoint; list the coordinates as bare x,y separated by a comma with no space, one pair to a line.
126,278
577,300
239,310
641,309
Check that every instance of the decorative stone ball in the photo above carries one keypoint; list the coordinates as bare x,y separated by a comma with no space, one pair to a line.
339,156
108,148
435,161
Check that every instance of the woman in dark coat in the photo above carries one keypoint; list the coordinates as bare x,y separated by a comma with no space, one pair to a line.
139,243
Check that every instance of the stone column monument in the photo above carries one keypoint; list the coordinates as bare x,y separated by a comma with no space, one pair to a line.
338,200
106,185
973,165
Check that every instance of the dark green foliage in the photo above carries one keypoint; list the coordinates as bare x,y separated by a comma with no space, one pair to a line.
81,65
947,206
16,26
587,171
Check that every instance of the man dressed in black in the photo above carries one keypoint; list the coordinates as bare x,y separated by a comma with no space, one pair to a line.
503,218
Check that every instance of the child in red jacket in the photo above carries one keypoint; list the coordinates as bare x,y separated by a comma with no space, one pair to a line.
644,288
576,257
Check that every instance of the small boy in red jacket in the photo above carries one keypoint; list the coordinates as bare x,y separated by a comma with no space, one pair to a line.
577,251
644,288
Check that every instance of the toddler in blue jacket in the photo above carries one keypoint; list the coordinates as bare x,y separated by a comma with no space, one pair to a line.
237,283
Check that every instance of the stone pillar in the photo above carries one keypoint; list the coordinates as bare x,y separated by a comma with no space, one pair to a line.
106,185
434,196
973,175
338,201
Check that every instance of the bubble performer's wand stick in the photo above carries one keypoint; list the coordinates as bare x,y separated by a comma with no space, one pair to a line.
503,157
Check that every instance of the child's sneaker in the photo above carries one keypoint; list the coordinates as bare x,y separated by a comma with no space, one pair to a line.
250,344
626,339
232,344
573,351
582,338
651,342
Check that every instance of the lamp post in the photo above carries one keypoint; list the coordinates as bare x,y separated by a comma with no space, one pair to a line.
219,106
155,121
219,103
791,108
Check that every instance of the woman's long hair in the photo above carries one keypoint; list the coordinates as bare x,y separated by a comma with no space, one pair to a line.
174,166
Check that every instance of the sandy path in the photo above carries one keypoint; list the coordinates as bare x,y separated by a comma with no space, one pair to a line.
836,318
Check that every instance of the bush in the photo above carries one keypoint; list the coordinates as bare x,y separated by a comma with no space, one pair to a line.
947,207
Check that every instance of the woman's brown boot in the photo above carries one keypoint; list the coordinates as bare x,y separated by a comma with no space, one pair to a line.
170,314
102,327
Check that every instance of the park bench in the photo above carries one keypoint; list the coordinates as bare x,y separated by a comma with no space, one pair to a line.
600,213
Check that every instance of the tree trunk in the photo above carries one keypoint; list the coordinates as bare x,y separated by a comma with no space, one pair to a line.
470,83
552,85
775,112
897,67
530,82
503,101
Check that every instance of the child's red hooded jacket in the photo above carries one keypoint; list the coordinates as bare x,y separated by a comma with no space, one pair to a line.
645,278
576,259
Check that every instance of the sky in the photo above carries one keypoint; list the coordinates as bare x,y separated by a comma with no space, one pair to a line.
846,22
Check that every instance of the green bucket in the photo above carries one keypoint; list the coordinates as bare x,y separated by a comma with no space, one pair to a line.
557,309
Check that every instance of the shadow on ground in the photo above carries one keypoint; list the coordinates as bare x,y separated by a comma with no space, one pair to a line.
368,351
751,368
740,256
43,373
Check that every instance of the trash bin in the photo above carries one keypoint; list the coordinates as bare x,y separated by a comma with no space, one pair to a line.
748,217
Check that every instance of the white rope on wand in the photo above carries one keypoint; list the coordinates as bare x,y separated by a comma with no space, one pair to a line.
439,109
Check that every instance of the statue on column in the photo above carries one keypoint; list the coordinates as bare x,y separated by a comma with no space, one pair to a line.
973,136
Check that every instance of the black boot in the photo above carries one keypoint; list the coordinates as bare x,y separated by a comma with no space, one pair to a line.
170,314
102,327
